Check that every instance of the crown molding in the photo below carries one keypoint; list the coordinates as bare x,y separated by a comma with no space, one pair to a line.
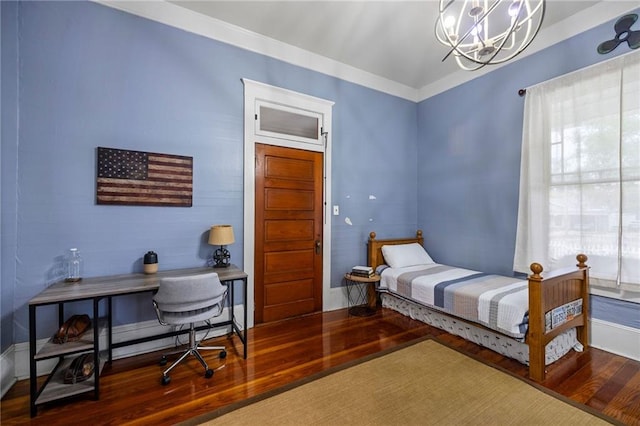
206,26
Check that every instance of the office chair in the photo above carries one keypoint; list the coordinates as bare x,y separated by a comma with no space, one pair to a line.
187,300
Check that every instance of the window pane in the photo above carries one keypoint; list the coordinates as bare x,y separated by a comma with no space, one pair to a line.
288,123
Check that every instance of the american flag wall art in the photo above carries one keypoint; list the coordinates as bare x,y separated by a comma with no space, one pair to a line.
143,178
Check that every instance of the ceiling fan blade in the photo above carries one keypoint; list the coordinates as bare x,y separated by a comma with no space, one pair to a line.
634,39
625,23
608,46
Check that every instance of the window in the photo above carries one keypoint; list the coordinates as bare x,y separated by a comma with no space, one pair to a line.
275,120
580,175
289,123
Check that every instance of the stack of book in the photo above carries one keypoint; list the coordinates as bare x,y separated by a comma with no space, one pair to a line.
362,271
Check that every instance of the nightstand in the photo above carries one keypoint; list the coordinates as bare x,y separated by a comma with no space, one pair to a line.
361,294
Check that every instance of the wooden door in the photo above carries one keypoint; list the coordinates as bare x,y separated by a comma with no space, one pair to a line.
288,233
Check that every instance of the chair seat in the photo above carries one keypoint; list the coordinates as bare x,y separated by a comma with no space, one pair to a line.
187,317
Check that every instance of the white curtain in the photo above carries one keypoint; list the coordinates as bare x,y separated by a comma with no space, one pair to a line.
580,174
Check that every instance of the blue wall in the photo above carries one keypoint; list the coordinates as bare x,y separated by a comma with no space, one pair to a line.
8,116
90,76
78,75
469,141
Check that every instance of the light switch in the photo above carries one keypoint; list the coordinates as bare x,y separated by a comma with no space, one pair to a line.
336,210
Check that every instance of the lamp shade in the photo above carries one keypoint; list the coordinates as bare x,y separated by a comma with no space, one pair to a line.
221,235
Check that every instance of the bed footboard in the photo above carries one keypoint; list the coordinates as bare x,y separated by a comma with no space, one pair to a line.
555,291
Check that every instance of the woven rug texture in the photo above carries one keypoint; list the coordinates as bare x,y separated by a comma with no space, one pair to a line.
423,384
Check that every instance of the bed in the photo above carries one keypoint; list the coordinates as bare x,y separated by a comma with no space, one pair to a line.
536,320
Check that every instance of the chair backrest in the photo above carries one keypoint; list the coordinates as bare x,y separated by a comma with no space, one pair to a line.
188,293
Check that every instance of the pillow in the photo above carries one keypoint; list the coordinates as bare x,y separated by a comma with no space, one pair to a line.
401,255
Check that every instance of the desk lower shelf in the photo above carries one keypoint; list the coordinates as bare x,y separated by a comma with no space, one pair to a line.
56,388
84,344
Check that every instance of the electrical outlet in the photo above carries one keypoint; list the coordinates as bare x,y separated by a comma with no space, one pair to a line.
336,210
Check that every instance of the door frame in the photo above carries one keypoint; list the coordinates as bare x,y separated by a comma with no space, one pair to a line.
255,92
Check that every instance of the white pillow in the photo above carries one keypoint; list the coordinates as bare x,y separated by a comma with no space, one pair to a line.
401,255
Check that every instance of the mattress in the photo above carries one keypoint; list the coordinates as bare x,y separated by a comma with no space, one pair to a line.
497,302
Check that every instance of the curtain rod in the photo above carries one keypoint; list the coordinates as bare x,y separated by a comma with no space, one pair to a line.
522,92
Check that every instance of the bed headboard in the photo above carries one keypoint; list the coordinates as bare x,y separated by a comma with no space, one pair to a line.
374,247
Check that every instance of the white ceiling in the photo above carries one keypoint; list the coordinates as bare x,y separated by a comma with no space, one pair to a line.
389,43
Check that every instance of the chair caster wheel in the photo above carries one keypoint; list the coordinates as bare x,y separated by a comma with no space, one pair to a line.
222,355
165,380
208,374
163,360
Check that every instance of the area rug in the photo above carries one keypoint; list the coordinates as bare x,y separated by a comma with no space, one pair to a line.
422,384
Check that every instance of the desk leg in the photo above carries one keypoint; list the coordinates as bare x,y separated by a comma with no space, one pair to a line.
232,301
242,334
244,325
33,374
60,314
96,347
110,329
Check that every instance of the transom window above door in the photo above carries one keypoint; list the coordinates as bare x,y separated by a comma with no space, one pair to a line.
278,121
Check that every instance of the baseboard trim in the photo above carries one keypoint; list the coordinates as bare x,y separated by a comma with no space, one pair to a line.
7,369
337,299
615,338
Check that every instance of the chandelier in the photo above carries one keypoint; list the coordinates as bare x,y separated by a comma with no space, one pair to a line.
484,32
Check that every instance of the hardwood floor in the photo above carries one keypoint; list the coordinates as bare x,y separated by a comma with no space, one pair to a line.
283,352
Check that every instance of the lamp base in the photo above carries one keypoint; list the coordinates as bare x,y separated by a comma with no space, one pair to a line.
221,258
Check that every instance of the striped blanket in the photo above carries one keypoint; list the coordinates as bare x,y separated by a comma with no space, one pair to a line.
497,302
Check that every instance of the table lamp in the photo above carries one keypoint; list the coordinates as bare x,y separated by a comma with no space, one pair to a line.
221,235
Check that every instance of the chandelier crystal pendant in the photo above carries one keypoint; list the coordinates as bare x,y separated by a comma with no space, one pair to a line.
485,32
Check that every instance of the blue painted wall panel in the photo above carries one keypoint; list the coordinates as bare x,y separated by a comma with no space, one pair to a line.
469,145
374,173
469,156
8,118
93,76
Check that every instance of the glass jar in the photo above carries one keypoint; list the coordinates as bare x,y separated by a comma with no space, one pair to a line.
74,266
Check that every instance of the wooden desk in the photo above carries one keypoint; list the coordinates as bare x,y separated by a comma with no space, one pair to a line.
105,288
